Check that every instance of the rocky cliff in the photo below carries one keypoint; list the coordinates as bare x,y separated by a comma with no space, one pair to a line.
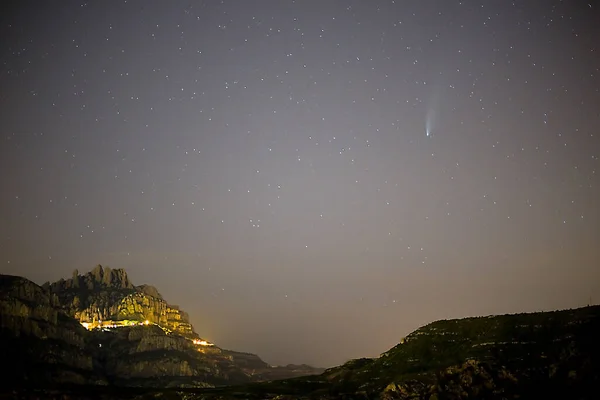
133,337
106,294
522,356
39,341
146,355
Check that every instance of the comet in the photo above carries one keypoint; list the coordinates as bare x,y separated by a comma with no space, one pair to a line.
428,125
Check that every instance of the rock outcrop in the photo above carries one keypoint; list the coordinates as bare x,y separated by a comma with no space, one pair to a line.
525,356
147,355
133,337
99,278
42,343
106,294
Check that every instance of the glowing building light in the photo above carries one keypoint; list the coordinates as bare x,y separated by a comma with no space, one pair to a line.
202,342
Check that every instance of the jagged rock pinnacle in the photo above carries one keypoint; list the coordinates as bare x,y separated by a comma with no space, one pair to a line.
106,294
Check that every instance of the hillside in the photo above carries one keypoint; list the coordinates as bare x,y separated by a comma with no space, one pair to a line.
42,343
523,356
100,329
520,356
123,355
506,356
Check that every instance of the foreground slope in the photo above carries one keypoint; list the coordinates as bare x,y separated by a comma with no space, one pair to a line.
507,355
38,342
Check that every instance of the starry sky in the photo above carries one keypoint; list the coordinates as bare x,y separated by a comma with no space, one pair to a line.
310,180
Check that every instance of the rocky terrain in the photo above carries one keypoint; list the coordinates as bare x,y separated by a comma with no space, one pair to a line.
521,356
537,355
41,342
105,294
134,338
550,355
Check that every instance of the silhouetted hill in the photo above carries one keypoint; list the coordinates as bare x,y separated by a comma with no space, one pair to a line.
531,355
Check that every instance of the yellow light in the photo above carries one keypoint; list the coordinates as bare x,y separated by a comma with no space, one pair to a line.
202,342
146,322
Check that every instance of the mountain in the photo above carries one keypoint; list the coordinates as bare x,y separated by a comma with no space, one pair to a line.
100,329
123,355
104,296
544,355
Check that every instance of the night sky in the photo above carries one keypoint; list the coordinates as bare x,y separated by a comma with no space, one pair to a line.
310,180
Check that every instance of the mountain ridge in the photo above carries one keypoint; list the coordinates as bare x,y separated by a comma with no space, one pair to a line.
511,356
104,295
126,335
552,354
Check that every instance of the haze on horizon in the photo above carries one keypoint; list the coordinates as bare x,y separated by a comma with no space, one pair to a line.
267,166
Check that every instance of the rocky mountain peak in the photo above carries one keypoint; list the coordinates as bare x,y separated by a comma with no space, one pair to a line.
98,328
105,296
106,276
98,278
